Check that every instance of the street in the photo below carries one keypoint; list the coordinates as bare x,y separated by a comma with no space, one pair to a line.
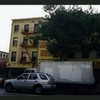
15,93
24,93
30,93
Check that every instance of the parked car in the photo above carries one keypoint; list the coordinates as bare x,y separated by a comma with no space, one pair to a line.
30,70
36,81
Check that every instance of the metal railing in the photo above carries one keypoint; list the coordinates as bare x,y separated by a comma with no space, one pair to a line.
29,31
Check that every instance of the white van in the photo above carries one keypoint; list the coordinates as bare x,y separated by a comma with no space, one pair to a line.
31,70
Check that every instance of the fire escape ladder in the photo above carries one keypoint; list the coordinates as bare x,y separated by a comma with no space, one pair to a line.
28,54
30,40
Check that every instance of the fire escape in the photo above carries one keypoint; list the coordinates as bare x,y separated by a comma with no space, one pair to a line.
26,46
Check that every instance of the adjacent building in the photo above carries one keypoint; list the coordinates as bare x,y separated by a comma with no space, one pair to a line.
4,56
23,49
3,62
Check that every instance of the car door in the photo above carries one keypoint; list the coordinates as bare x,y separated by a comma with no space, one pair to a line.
21,81
32,80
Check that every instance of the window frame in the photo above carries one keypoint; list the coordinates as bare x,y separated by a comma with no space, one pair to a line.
26,27
1,55
16,28
4,55
15,41
23,57
36,77
13,56
34,58
24,41
43,78
19,77
36,27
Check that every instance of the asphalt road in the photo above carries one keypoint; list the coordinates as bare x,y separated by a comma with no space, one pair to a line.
57,92
14,93
30,93
26,93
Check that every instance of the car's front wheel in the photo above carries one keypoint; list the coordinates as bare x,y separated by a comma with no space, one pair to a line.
38,89
9,87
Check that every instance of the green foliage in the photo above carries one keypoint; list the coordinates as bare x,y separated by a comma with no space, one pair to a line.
35,38
49,8
70,30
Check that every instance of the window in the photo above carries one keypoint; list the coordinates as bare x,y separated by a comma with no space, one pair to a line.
1,55
33,76
15,41
4,55
98,54
85,55
25,41
36,27
50,76
34,56
71,55
43,77
27,71
24,76
13,56
16,28
32,71
26,27
23,57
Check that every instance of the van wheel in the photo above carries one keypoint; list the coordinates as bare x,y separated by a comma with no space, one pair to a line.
9,87
38,89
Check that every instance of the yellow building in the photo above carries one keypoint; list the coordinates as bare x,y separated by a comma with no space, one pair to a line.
43,54
23,49
25,53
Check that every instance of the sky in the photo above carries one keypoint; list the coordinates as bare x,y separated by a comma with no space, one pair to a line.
9,12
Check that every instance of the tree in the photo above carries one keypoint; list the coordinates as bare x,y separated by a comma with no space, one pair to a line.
70,30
